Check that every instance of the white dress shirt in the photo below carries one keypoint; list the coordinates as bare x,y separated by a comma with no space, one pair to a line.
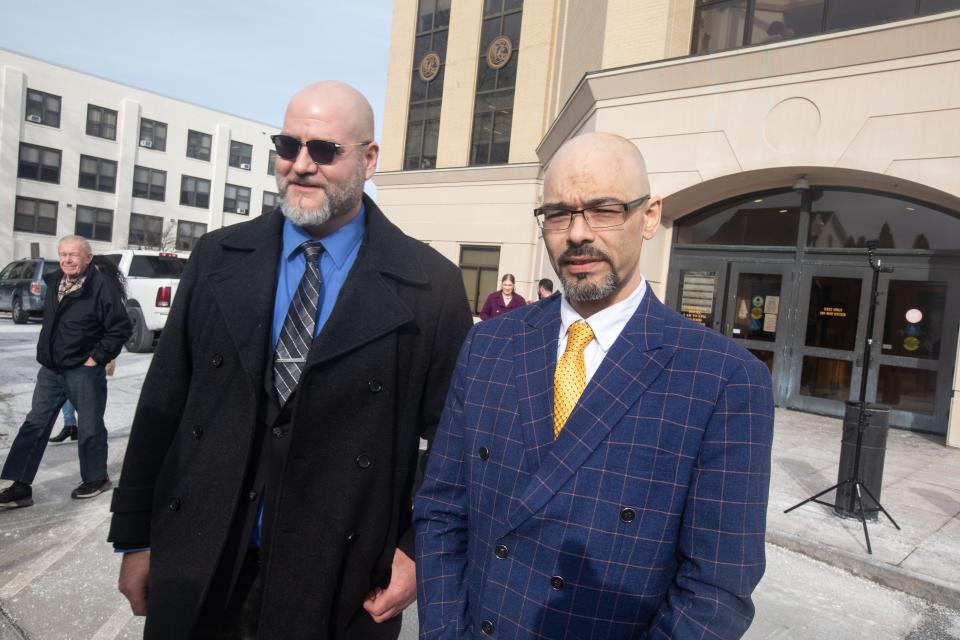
606,324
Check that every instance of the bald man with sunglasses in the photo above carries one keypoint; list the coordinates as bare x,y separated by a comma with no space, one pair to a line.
266,489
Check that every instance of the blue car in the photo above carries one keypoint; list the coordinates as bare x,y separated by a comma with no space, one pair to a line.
22,287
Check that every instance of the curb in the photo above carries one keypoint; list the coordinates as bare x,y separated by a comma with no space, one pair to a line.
8,628
888,575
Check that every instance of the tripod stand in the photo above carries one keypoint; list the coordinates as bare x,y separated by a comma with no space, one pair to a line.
863,418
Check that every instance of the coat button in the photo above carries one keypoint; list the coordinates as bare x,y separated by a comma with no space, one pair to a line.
501,551
557,583
484,453
487,627
197,432
374,385
216,360
278,432
627,515
174,504
352,538
363,461
252,495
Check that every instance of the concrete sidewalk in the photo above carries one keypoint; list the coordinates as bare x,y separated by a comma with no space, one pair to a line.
921,490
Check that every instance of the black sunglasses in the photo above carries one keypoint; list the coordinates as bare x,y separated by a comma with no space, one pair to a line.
320,151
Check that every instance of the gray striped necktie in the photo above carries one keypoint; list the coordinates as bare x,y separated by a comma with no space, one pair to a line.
297,332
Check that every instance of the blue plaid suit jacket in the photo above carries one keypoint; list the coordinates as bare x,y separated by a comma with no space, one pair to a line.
644,519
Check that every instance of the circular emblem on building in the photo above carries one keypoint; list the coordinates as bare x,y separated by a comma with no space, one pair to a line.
430,66
499,52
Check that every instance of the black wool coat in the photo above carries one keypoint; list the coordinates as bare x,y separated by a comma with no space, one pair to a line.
374,383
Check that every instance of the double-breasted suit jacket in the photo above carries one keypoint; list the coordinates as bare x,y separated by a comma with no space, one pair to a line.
374,383
645,518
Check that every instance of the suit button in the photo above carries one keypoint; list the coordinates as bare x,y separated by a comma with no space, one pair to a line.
278,432
252,495
501,551
557,583
198,432
174,504
484,453
487,627
216,360
374,385
627,515
352,538
363,461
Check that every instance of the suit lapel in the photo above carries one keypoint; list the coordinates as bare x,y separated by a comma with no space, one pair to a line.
535,359
634,361
245,289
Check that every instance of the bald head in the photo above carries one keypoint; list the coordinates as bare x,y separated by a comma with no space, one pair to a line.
592,155
331,100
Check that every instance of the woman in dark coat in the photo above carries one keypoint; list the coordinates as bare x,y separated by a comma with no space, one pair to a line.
502,300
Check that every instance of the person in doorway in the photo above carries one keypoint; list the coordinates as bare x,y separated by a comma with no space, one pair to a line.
502,300
602,466
85,325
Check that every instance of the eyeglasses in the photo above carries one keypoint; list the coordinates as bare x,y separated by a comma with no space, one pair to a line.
320,151
598,216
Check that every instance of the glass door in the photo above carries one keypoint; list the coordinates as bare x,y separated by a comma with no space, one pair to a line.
826,354
695,288
915,352
757,312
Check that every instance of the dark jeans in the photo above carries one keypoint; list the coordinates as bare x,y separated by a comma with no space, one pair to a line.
86,388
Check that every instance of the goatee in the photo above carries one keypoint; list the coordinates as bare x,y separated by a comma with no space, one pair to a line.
578,288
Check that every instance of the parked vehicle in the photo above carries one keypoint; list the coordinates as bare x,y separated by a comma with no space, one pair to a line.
152,280
22,288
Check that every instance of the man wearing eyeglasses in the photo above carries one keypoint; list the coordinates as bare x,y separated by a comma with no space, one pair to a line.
601,468
266,490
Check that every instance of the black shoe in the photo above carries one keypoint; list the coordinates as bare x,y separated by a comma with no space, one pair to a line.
19,494
91,489
69,431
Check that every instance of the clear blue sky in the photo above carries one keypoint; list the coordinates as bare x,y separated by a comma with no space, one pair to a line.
242,57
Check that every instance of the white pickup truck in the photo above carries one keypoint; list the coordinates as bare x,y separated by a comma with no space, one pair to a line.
152,279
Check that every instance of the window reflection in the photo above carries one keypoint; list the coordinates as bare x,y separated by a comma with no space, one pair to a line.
907,389
825,378
757,220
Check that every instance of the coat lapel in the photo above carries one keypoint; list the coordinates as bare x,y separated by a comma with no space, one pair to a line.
535,359
368,306
634,361
245,289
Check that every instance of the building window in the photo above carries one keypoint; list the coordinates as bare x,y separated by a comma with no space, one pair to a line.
199,145
240,155
727,24
98,174
43,108
94,224
149,183
145,231
195,192
270,202
153,134
426,88
39,163
479,267
188,233
35,216
236,199
496,81
272,163
101,122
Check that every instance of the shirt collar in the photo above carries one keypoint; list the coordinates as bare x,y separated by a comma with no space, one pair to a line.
338,244
606,323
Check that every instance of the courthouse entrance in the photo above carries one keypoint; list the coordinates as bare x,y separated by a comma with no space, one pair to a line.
786,275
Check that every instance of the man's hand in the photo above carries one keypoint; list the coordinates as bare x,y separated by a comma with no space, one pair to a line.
90,362
383,604
134,571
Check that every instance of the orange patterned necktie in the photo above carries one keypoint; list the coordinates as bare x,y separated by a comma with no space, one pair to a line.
571,375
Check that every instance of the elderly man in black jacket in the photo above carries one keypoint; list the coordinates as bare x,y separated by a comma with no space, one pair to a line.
267,485
84,327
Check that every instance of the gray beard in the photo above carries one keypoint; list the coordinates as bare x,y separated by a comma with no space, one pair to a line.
339,201
306,217
579,289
